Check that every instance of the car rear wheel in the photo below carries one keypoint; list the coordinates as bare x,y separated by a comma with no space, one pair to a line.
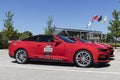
83,58
21,56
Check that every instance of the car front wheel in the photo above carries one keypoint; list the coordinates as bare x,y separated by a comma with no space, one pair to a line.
83,58
21,56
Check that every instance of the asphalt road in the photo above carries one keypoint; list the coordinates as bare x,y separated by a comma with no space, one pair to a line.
10,70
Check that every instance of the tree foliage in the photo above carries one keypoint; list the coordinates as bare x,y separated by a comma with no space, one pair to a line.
25,34
50,28
114,27
1,41
8,31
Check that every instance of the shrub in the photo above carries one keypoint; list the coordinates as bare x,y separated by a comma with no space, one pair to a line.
113,44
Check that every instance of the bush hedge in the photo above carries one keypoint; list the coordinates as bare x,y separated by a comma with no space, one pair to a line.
113,44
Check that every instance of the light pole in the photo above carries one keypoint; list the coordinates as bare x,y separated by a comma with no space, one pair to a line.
115,38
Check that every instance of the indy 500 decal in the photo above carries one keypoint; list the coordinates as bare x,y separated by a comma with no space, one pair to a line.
48,49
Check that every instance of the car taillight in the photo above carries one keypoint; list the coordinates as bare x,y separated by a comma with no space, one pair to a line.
12,42
9,42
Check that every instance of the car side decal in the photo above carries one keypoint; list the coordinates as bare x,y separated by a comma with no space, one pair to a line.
48,49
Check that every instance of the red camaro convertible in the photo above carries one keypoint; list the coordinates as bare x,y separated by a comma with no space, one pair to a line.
57,48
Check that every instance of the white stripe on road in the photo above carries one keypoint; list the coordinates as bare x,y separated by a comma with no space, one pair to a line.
66,70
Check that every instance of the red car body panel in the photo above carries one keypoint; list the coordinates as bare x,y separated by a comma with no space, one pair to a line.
63,51
110,50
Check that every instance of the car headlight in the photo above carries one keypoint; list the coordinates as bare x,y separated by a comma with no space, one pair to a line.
102,49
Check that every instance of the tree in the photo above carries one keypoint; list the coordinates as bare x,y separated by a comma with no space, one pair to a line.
114,27
8,30
109,38
49,29
25,34
1,41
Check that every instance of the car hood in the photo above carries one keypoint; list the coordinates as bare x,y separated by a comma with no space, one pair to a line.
94,44
106,45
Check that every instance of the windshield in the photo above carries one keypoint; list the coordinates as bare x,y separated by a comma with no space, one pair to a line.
82,40
66,39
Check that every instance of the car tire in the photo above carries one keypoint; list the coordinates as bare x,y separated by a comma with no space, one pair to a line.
21,56
83,58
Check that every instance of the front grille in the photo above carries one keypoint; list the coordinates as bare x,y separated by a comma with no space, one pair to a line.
106,57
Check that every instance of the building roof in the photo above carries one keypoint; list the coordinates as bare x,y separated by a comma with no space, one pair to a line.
58,30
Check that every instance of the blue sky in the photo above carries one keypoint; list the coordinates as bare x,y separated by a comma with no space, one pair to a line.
32,15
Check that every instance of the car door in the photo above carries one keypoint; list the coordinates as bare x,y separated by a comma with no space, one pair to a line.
62,51
34,47
58,52
46,46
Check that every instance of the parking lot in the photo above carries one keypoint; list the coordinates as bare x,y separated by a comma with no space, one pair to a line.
35,70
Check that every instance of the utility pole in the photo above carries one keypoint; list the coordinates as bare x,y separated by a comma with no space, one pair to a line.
115,40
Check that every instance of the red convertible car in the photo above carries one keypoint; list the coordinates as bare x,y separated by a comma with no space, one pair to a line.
57,48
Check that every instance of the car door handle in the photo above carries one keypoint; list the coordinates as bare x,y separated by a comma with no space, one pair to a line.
38,45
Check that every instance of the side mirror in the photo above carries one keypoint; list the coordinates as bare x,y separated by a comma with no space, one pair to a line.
57,41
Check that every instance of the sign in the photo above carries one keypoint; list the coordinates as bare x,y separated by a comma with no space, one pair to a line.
48,49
